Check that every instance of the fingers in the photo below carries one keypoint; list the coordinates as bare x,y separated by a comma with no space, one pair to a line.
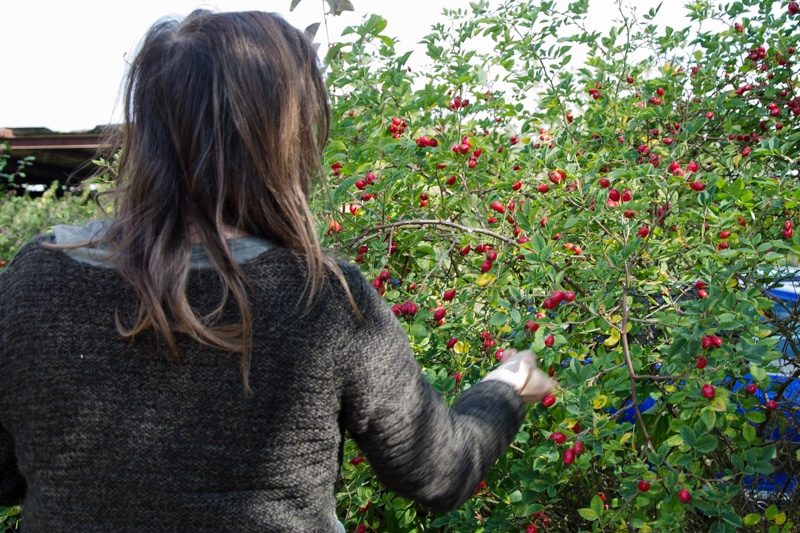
537,387
507,354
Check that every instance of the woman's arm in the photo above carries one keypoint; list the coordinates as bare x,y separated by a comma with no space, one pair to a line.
417,446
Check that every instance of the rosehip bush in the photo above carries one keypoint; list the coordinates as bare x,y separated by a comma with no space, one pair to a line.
624,216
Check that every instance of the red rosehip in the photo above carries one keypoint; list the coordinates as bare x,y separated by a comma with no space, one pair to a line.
605,183
558,437
644,485
530,529
497,206
772,405
449,294
558,296
578,447
549,340
543,188
701,362
708,391
439,313
614,195
549,400
570,296
452,342
486,266
356,460
751,388
710,115
531,326
684,496
697,186
643,232
569,456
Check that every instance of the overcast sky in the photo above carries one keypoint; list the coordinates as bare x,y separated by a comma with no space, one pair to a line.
64,60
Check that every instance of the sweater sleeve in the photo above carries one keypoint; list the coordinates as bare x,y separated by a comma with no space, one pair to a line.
417,446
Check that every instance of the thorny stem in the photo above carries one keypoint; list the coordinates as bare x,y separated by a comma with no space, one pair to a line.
628,361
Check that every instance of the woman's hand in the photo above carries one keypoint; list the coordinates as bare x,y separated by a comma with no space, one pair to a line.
519,370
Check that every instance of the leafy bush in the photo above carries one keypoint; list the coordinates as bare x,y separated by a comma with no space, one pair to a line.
619,215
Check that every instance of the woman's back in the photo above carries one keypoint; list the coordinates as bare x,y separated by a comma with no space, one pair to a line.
135,442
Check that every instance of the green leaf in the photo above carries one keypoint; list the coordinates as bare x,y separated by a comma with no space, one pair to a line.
588,514
706,443
597,505
293,5
709,418
751,519
688,436
771,512
758,373
729,515
499,319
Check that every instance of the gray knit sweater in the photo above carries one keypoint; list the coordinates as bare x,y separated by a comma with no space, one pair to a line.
101,434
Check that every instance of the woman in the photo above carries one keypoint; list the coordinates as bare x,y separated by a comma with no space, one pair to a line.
193,363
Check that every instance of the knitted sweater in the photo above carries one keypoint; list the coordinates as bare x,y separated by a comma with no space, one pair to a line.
98,433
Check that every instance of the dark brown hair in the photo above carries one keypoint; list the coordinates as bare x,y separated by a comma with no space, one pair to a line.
226,116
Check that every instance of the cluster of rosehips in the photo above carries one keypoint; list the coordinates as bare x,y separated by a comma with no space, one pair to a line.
574,248
615,197
424,141
787,229
361,251
397,127
382,278
361,185
711,341
595,93
491,255
754,54
408,308
488,341
458,103
676,170
552,301
336,167
701,285
571,453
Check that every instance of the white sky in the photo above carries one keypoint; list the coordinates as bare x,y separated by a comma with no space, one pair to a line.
63,60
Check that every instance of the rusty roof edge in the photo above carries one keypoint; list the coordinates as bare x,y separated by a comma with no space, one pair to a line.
44,139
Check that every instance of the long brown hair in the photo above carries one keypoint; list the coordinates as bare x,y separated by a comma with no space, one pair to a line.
225,119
